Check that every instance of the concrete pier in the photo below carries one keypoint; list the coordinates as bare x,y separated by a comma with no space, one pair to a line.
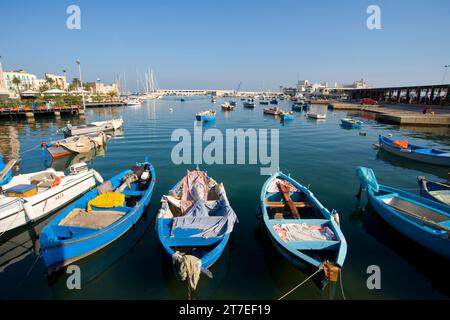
401,114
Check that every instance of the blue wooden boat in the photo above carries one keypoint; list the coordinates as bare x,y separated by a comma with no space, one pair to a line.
195,219
6,171
98,218
437,191
263,102
274,101
413,152
249,104
352,123
206,116
421,220
232,103
287,116
300,227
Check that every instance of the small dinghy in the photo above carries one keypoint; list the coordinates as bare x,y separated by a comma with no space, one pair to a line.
437,191
404,149
98,218
318,116
206,116
76,144
93,127
273,111
421,220
300,227
287,116
227,107
249,104
195,221
29,197
352,123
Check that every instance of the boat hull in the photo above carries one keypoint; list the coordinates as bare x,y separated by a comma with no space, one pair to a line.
57,255
419,234
293,254
427,186
406,153
13,215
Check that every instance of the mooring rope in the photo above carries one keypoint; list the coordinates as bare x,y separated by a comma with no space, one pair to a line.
342,286
31,149
23,279
12,222
302,283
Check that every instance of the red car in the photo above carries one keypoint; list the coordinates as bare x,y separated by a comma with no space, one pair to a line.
368,101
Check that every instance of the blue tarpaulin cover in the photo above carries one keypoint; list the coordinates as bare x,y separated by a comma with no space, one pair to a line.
367,178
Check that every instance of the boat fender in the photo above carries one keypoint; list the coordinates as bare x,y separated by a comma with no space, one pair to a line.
145,175
56,182
336,216
331,271
28,209
98,177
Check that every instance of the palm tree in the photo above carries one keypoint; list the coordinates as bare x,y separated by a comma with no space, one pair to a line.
50,82
16,81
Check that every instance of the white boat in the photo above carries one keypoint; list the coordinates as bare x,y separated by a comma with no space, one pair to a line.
108,125
133,102
76,144
30,197
315,115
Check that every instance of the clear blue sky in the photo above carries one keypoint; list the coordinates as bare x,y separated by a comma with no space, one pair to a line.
217,43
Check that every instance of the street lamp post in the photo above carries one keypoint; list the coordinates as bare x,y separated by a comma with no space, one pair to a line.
81,84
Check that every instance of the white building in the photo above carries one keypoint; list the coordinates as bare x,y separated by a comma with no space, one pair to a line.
27,81
4,93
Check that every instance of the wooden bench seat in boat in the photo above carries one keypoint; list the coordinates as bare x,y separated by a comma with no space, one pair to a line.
278,204
183,237
96,219
414,209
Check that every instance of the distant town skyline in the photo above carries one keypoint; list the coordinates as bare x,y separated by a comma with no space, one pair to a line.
212,45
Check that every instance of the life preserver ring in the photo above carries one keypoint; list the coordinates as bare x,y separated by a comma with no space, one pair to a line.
56,182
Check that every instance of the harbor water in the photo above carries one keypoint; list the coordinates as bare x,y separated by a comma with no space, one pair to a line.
318,153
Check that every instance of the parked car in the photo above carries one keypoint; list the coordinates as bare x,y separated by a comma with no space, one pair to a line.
368,101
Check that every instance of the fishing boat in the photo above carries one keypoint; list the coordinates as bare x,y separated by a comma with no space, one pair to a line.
404,149
297,107
93,127
249,104
195,220
227,107
263,102
98,218
206,116
315,115
6,170
273,111
274,101
133,102
287,116
300,227
437,191
29,197
76,144
232,103
421,220
351,123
